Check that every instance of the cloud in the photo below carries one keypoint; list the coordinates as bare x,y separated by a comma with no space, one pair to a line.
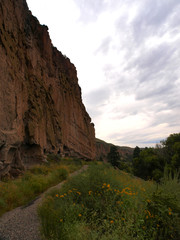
158,91
145,138
98,96
153,17
127,57
90,9
140,60
155,59
132,139
105,45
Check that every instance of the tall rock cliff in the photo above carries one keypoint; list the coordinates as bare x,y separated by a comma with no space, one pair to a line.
41,109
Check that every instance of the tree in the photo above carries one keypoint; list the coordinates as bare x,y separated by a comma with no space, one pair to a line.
172,150
136,152
114,156
151,162
148,165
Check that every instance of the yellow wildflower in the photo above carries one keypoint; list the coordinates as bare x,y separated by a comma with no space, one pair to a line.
61,220
149,213
90,192
61,196
80,215
78,193
122,191
57,195
111,221
108,185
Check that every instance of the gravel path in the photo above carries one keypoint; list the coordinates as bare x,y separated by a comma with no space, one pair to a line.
23,223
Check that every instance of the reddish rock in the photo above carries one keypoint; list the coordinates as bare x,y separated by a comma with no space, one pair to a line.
40,99
103,148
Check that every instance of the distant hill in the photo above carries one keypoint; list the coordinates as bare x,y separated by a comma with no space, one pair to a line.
103,148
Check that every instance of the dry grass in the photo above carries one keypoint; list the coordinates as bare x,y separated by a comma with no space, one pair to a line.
14,193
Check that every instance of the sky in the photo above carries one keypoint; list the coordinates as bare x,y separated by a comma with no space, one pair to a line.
127,55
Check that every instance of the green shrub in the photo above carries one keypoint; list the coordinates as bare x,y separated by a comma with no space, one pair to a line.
103,203
162,217
41,169
2,203
14,193
53,158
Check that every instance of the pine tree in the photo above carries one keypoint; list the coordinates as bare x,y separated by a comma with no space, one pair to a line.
113,156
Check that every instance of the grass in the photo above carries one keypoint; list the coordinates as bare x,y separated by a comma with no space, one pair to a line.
14,193
103,204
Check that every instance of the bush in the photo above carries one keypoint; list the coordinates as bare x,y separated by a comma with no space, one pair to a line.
103,203
20,191
114,157
162,217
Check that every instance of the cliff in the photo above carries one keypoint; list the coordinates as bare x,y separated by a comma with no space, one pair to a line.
103,148
40,99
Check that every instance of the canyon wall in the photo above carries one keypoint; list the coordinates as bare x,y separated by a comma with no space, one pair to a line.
103,148
41,109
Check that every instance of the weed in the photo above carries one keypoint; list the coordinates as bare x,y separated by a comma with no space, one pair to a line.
103,203
14,193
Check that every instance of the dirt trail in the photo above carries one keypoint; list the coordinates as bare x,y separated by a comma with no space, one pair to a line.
23,223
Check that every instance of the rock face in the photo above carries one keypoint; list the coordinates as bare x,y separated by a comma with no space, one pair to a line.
103,148
41,109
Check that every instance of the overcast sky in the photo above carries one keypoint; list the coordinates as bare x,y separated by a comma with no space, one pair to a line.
127,55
